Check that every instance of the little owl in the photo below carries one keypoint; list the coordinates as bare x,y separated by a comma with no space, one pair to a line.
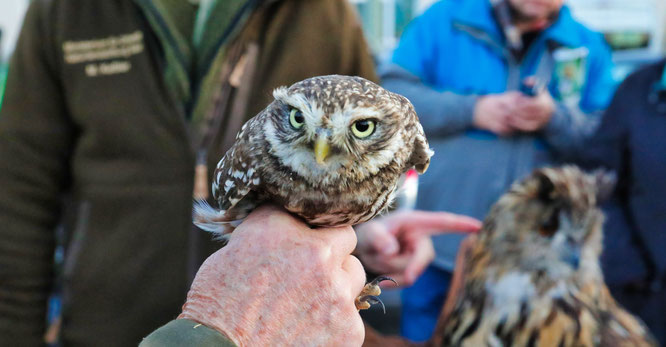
329,149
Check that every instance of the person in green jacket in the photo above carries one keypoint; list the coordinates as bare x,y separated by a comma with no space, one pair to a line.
112,111
109,107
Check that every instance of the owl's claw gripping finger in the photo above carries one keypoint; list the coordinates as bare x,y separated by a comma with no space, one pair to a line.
370,292
367,301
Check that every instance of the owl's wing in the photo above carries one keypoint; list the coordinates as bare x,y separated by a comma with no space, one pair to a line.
620,328
234,182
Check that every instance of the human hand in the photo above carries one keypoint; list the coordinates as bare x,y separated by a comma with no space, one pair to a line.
532,113
399,245
492,112
278,282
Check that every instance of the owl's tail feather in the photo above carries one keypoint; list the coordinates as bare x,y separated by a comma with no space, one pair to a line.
213,220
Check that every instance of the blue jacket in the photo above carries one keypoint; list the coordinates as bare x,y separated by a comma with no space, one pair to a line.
631,142
455,52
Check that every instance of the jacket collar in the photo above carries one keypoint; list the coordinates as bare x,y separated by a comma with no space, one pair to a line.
478,15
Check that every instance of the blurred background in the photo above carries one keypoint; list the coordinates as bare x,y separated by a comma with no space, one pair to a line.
635,30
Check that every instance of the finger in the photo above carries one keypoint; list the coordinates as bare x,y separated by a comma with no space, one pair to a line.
382,241
434,222
423,256
523,124
503,130
376,263
342,240
395,263
269,217
355,274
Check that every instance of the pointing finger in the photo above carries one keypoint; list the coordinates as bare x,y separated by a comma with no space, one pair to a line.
434,222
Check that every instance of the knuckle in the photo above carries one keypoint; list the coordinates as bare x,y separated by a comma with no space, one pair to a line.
319,256
355,266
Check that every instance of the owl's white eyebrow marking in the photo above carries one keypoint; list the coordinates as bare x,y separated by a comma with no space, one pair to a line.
296,100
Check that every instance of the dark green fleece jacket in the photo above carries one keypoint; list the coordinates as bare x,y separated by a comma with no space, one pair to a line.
184,332
94,146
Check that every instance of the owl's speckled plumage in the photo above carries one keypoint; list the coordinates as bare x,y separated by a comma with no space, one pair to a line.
533,277
274,161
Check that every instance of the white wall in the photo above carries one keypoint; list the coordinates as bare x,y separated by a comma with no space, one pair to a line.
11,17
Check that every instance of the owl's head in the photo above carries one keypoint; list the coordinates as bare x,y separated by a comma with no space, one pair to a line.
550,222
329,129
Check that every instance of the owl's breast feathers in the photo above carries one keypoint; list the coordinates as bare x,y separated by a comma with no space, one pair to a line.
272,160
346,201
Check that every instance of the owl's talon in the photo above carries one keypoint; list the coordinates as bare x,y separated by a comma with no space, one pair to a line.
380,279
372,300
370,292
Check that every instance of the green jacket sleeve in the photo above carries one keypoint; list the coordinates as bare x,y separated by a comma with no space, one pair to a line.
36,138
184,332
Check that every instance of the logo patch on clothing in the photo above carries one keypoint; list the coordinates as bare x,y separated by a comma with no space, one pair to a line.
105,56
570,71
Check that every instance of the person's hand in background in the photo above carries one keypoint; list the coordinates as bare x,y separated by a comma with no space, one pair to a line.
279,282
531,113
399,246
492,112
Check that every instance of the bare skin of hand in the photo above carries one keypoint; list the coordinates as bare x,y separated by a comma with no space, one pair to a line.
532,113
278,282
399,245
492,112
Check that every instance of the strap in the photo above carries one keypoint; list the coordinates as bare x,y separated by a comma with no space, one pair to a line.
241,101
543,73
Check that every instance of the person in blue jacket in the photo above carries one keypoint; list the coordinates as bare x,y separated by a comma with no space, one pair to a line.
501,87
630,142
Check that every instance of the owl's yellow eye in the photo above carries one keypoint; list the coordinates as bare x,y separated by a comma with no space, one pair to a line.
296,118
363,128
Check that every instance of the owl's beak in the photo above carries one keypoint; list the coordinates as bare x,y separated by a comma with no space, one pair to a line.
321,149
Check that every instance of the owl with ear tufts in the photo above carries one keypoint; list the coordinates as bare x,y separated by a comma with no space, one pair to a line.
533,277
329,149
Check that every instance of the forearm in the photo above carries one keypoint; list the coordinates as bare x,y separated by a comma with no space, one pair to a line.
440,113
569,128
